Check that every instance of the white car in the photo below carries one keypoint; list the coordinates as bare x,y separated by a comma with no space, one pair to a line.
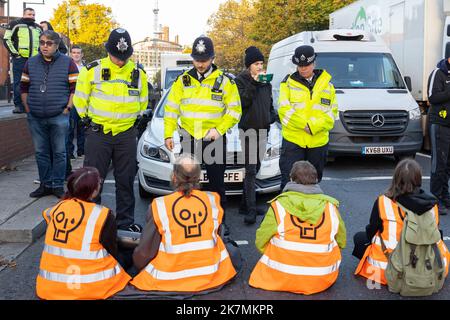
156,161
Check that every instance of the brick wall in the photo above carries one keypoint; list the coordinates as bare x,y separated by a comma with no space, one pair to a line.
15,139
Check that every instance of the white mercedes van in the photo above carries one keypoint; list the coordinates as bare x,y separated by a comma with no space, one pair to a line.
377,113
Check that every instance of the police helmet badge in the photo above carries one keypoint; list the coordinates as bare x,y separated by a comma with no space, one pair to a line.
297,60
122,45
303,58
201,47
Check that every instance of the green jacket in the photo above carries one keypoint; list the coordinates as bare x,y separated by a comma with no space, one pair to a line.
307,206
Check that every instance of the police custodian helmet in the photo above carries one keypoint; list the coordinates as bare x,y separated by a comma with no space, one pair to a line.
304,56
202,49
119,44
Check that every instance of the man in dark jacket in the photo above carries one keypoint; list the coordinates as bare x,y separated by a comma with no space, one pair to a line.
439,115
21,39
257,115
47,87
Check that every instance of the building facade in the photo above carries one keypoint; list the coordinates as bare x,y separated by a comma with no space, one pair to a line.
148,52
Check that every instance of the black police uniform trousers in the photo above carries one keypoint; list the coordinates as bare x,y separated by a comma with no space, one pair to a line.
205,151
254,148
100,150
291,153
440,162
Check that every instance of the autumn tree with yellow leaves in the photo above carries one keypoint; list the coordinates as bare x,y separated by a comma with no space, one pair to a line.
239,24
87,25
230,30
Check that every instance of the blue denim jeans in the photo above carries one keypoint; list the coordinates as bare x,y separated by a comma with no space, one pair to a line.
49,135
75,125
18,64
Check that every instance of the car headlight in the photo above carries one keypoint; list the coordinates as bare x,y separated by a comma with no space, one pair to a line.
153,152
272,153
415,114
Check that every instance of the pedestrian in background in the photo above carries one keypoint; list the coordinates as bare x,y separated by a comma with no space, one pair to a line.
76,53
47,87
257,116
111,94
439,115
387,218
300,237
80,255
307,109
21,39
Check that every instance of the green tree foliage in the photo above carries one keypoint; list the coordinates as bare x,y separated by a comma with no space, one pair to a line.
239,24
229,30
279,19
87,25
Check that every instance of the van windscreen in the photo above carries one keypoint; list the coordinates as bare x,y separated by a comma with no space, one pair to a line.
171,76
361,70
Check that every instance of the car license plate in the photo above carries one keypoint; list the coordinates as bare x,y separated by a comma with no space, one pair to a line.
229,176
378,150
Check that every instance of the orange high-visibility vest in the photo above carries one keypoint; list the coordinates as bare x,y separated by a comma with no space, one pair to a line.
191,256
300,258
374,262
74,264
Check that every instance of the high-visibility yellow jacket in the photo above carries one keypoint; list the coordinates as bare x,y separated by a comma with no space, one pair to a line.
112,102
199,108
298,109
22,39
74,264
374,262
192,257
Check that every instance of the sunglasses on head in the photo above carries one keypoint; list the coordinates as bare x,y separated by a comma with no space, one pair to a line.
46,43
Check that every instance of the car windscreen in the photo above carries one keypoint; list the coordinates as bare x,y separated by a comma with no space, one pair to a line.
171,76
160,111
360,70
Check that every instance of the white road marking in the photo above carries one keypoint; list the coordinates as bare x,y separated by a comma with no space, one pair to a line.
424,155
354,179
114,181
365,178
446,238
108,194
242,242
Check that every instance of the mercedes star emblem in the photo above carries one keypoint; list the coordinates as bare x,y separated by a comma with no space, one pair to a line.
378,120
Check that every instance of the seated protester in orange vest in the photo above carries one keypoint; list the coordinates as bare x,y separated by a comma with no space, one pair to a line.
180,248
300,237
386,221
79,260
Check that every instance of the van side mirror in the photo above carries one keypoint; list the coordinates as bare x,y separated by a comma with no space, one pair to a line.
408,83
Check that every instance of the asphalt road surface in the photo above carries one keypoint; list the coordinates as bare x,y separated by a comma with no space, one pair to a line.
355,182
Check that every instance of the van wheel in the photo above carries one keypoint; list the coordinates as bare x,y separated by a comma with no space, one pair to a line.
401,157
143,193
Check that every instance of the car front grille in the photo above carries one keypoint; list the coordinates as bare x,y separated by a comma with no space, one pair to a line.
375,122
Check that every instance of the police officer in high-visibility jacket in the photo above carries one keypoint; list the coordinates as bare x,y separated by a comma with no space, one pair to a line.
307,110
111,94
207,103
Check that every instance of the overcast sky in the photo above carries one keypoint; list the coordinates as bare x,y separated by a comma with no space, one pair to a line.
186,18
